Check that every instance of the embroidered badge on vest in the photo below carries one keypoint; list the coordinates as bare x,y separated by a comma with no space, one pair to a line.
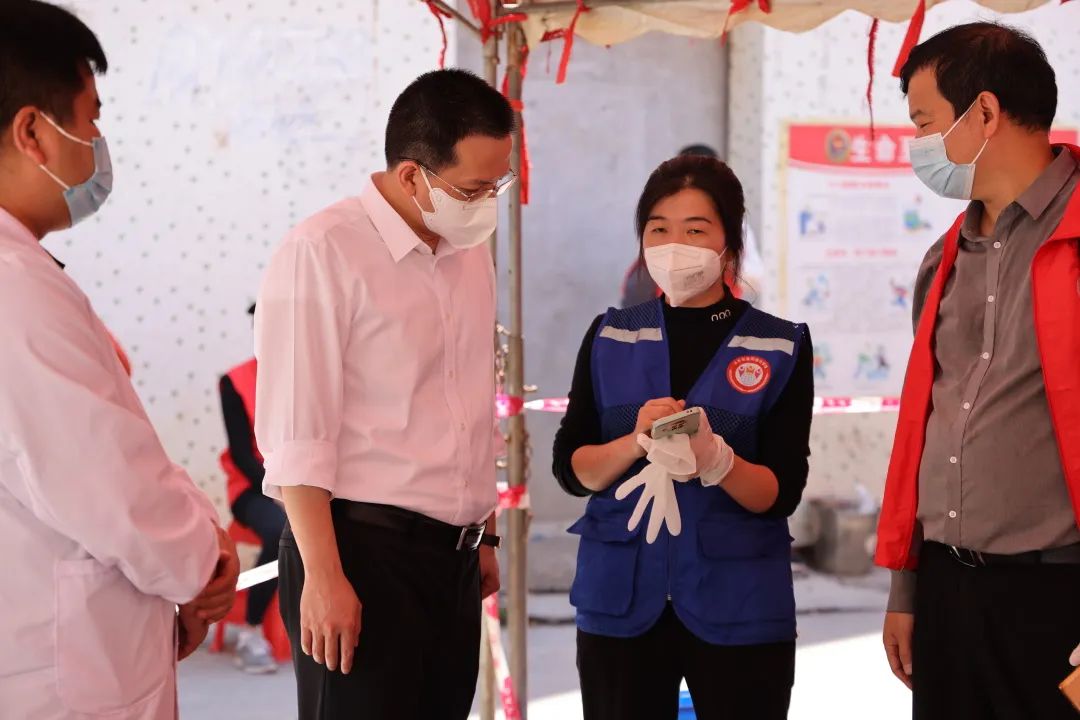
749,374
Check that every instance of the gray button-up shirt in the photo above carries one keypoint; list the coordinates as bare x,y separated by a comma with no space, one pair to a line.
991,476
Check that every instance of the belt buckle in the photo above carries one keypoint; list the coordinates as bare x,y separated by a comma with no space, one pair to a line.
470,536
974,558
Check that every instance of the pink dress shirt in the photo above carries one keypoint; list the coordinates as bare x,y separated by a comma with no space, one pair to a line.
376,365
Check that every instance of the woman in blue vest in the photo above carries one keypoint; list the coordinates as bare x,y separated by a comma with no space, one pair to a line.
713,604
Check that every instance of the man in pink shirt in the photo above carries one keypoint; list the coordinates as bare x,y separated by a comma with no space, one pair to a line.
103,536
375,414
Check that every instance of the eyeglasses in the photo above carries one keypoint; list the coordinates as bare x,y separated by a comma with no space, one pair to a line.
497,188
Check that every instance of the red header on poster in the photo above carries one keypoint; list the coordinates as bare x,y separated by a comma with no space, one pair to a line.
851,146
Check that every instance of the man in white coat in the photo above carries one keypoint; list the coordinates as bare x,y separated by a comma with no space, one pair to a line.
102,536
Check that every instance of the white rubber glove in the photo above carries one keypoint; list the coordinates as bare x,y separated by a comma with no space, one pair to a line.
1074,659
669,459
715,458
674,453
658,489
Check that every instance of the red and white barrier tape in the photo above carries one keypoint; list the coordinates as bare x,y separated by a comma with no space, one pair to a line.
512,498
505,684
508,405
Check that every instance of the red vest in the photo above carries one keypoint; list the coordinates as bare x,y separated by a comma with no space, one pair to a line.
243,379
1055,283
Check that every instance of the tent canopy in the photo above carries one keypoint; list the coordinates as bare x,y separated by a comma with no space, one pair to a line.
609,24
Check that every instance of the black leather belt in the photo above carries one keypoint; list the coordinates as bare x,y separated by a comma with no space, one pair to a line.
1067,555
387,517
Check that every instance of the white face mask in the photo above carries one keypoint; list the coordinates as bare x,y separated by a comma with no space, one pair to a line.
683,271
462,224
931,163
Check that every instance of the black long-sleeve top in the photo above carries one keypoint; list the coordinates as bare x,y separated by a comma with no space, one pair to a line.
694,336
238,428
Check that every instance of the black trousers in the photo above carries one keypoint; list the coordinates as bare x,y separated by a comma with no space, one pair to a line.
992,643
419,648
638,678
264,516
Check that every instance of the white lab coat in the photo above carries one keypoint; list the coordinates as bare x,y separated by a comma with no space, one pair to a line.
100,535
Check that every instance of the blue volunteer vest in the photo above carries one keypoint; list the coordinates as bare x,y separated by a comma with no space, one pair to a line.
728,573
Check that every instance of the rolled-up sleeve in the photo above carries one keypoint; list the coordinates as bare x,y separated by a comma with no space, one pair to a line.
302,321
91,466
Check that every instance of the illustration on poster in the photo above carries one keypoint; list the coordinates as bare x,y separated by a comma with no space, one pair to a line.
822,361
809,224
913,218
818,292
874,367
901,293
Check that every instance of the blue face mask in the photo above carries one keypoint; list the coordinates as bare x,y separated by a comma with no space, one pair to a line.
931,163
86,198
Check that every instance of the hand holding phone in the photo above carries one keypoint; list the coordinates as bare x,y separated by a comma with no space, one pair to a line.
685,422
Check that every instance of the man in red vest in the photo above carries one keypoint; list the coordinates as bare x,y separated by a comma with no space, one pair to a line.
243,466
979,520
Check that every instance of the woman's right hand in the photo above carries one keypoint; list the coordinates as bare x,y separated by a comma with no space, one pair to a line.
654,410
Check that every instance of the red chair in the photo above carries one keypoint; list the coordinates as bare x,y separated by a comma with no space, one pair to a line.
273,628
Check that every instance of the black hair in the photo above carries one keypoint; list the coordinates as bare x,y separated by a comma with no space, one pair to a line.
251,310
439,110
712,177
44,51
699,149
988,57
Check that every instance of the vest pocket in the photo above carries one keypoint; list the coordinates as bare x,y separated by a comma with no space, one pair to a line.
606,563
745,572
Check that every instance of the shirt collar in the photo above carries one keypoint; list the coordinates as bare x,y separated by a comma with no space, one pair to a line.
1046,187
1035,200
12,229
400,239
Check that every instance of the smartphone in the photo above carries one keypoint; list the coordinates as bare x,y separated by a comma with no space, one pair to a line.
686,422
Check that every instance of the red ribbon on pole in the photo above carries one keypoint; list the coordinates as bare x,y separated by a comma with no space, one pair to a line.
870,65
519,108
439,14
737,6
912,38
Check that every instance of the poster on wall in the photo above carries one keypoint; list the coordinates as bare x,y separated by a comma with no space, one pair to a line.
857,223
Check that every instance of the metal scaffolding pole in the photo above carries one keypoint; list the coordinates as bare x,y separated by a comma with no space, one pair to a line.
517,617
487,667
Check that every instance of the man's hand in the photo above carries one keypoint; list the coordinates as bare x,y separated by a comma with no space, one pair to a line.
215,601
192,631
330,621
897,638
489,572
1074,659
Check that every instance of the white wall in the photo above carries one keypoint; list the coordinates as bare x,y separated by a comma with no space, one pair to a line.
228,121
822,75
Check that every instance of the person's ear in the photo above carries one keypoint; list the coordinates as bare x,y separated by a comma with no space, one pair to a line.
408,177
988,109
24,131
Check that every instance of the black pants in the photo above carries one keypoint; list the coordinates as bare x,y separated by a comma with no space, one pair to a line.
992,643
419,648
638,678
254,510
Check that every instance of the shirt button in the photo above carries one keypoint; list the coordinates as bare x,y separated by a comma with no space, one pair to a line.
462,426
953,460
450,374
990,299
986,356
952,513
967,406
997,245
